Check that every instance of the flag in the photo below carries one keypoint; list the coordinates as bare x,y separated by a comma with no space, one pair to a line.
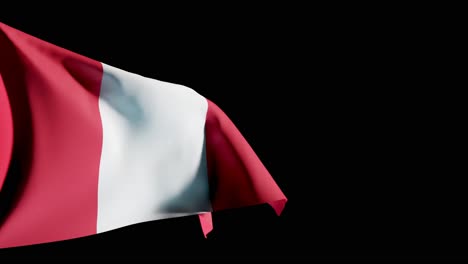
95,148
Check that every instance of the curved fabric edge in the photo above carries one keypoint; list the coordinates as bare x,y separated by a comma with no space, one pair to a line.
6,135
237,176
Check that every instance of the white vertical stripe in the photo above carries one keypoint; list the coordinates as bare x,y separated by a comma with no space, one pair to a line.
153,164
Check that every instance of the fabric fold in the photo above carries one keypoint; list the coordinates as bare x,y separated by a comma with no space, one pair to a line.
102,148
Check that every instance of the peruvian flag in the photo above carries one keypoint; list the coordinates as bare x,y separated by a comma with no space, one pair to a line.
96,148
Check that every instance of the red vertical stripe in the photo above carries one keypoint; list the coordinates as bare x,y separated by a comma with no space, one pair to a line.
54,100
237,176
6,132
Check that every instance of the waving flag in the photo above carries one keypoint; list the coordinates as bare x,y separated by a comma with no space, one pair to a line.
95,148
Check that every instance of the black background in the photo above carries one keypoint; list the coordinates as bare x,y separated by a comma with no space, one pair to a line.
331,99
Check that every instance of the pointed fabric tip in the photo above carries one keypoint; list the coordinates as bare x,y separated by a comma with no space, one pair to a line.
206,222
278,206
